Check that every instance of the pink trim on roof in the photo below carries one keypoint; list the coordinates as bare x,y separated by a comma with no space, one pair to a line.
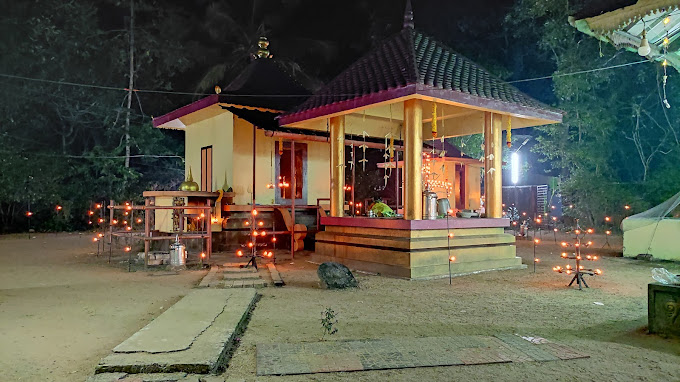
412,89
353,103
187,109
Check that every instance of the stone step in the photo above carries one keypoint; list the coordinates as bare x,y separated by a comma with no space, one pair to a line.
276,277
211,279
258,283
240,276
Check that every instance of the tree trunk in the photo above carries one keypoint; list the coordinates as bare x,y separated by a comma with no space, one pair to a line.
131,84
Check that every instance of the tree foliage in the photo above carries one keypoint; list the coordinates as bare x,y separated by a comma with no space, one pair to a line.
617,139
61,144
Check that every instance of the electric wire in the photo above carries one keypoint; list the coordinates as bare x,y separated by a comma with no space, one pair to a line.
153,91
578,72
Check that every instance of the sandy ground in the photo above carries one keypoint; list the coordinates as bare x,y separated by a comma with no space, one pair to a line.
62,309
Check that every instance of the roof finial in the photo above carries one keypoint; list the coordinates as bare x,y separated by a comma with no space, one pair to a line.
408,15
263,49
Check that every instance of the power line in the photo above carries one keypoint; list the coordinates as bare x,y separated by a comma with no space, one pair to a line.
287,95
579,72
155,156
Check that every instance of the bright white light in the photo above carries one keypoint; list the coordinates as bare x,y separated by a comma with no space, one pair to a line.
514,172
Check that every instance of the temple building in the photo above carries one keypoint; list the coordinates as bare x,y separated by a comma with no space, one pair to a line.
404,97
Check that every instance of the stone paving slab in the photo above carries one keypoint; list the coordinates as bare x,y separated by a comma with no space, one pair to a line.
234,276
274,273
240,275
238,267
211,279
158,377
206,353
334,356
257,283
179,326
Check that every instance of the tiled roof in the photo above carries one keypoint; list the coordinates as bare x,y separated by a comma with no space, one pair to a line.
411,62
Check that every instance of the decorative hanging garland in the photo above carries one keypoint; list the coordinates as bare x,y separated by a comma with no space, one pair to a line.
434,120
363,147
508,139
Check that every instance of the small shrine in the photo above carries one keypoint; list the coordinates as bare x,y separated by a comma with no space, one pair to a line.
415,89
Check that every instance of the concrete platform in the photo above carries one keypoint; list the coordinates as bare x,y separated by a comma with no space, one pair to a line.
193,336
418,249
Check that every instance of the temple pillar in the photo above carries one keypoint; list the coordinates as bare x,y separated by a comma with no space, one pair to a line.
413,159
493,154
337,140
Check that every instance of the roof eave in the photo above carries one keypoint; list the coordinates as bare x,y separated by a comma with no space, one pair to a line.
347,105
486,104
464,99
184,110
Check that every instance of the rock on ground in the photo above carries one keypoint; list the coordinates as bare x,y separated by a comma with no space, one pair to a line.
336,276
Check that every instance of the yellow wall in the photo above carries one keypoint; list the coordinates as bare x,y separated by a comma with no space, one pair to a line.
472,183
218,132
473,187
232,141
318,171
243,164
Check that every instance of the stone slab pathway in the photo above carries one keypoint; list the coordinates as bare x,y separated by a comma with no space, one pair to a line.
207,350
179,326
233,276
333,356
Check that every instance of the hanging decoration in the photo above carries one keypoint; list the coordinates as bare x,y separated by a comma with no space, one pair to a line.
391,149
388,157
442,154
341,139
280,146
447,184
270,185
351,155
434,120
664,80
508,138
363,148
351,147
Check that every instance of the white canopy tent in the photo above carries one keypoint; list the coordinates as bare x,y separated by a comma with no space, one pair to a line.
654,232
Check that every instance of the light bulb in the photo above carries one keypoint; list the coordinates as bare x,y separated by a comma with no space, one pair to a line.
644,49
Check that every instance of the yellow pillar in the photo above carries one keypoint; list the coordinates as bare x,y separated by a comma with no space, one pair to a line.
493,153
337,138
413,159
